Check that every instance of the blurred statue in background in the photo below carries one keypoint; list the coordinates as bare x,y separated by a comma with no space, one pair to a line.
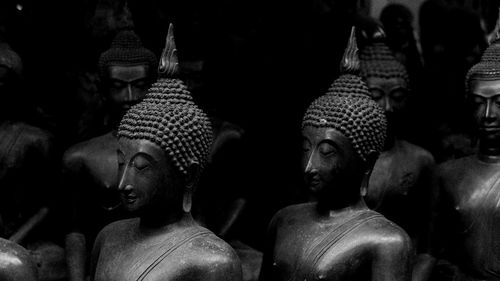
467,222
90,173
400,184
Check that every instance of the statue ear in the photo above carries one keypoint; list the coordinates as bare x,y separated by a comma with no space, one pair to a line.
371,159
193,173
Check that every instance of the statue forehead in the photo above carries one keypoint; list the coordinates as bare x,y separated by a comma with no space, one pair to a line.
128,73
318,134
131,147
485,88
386,82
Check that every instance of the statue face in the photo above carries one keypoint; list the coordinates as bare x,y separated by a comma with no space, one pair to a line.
391,94
127,85
485,102
331,165
149,180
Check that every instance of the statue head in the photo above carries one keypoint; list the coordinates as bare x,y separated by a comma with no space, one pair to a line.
483,95
127,70
397,20
343,134
11,66
164,143
386,78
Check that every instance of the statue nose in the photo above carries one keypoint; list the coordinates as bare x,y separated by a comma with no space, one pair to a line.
388,105
125,188
130,95
310,167
488,112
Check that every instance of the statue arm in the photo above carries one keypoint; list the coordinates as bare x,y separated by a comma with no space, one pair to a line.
424,263
76,255
267,260
95,254
75,240
392,259
424,201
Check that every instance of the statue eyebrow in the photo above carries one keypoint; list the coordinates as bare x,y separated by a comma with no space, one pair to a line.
330,142
482,96
145,155
128,81
399,88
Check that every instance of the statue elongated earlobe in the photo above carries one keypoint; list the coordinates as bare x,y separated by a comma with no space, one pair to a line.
169,63
192,178
350,59
371,159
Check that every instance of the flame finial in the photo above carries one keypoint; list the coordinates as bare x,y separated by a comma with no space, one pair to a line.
169,63
350,59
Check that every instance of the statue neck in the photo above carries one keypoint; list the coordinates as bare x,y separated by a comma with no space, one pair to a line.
489,152
153,219
332,208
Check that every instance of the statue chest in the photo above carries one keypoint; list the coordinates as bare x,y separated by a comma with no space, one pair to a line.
475,218
155,258
16,151
334,252
476,200
392,176
102,173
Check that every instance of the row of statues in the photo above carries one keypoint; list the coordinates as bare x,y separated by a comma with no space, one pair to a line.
380,208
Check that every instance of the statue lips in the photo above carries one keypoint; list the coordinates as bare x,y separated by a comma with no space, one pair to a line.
489,131
128,198
313,183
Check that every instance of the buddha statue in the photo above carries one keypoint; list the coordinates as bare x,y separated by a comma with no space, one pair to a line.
401,180
26,152
164,142
27,175
466,225
338,237
89,168
16,263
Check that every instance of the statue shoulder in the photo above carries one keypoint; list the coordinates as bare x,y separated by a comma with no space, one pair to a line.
389,237
421,154
293,212
31,135
116,229
215,259
78,154
225,135
453,167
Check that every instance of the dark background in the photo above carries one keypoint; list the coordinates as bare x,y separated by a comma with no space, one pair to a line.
263,63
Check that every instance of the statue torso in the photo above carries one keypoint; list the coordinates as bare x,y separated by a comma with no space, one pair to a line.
91,175
25,166
188,253
308,248
470,208
400,184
